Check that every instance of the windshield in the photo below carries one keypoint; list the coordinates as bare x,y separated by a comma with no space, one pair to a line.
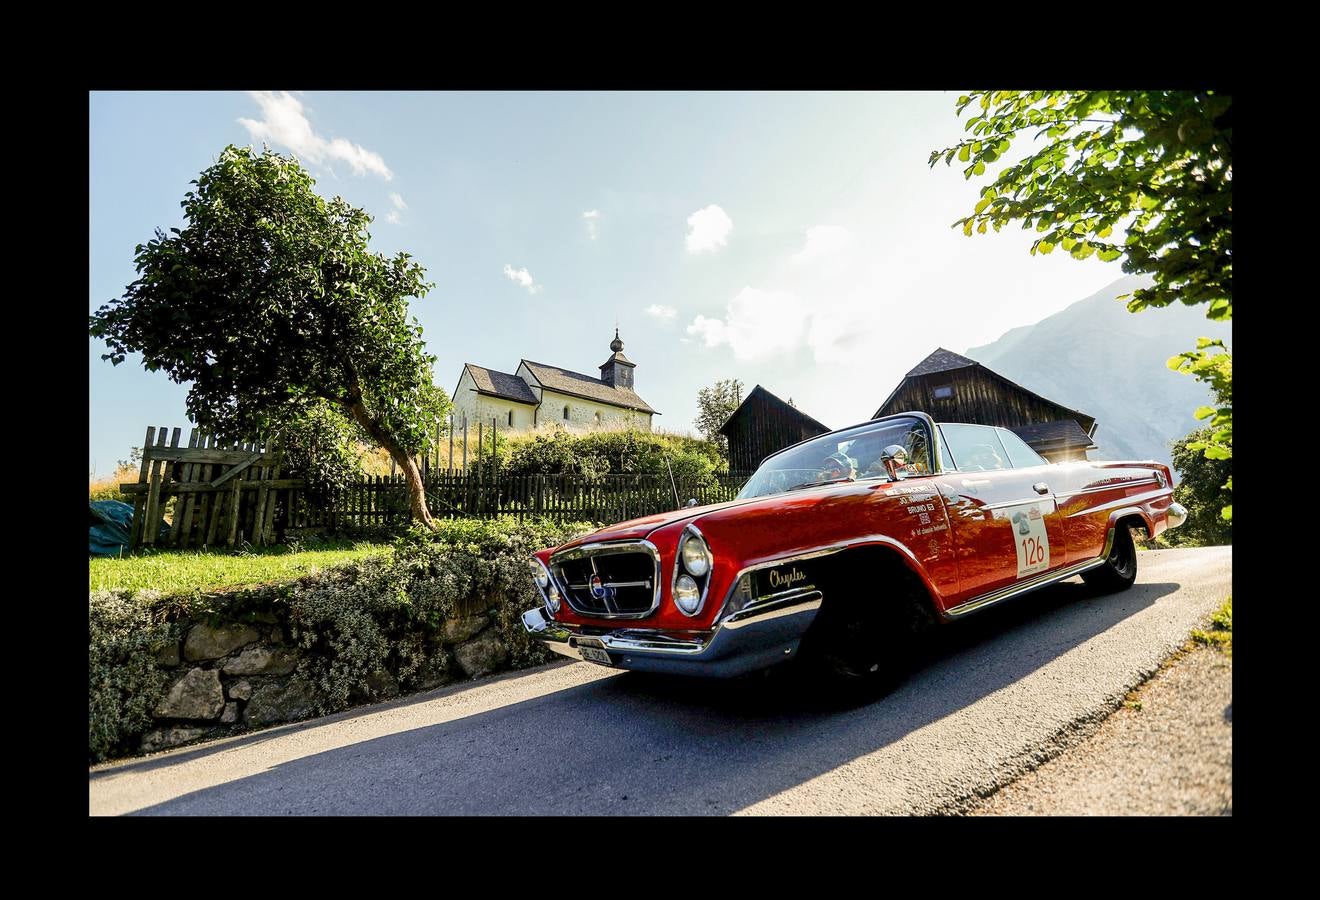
845,456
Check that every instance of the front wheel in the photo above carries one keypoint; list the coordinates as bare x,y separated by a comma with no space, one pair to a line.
864,642
1119,570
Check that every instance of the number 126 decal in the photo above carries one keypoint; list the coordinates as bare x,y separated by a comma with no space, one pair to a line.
1033,544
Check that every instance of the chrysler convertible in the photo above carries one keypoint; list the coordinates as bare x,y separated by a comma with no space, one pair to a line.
842,549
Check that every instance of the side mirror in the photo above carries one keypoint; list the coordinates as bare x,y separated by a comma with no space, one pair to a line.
691,503
894,458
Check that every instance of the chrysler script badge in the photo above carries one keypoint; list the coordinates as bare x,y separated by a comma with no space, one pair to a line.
786,579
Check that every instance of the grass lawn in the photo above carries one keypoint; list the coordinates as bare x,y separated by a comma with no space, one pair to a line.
173,571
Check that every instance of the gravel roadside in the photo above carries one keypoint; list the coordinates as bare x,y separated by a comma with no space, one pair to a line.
1167,751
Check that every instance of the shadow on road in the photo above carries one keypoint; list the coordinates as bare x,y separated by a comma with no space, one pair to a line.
637,744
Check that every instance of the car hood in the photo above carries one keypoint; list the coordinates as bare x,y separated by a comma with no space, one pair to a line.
635,529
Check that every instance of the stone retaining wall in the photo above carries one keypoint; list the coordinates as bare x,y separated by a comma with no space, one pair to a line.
226,676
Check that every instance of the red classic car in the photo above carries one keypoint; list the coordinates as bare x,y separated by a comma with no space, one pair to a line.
840,548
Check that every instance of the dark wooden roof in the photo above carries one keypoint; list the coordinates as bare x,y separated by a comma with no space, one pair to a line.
1061,435
783,408
618,357
941,361
578,385
500,384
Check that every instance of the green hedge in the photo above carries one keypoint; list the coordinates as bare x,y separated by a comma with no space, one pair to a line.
609,453
350,623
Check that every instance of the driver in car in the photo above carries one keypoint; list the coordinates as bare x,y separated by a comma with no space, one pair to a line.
983,458
836,466
908,463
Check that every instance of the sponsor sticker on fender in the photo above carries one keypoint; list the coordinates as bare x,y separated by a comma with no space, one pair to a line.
1029,536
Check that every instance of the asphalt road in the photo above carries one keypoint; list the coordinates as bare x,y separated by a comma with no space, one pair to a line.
998,695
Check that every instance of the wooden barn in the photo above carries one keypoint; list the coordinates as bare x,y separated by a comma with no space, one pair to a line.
953,388
762,424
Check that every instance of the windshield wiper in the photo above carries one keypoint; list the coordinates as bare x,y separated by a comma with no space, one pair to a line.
798,487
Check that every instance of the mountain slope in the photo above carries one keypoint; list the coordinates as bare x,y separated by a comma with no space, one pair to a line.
1097,357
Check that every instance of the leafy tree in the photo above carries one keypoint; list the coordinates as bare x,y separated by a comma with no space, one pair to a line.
716,403
320,445
270,302
1201,488
1155,165
1215,441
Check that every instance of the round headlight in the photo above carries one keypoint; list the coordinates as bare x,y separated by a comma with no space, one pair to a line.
696,555
552,598
538,574
686,595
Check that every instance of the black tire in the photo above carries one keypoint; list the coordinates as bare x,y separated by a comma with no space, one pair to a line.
1120,567
863,645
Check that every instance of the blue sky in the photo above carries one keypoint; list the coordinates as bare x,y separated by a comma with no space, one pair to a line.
796,240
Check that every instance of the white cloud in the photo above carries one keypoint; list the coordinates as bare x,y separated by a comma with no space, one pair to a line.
823,241
397,200
522,278
660,311
757,324
708,229
592,218
393,217
284,123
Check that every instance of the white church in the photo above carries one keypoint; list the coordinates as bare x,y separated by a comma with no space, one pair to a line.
539,396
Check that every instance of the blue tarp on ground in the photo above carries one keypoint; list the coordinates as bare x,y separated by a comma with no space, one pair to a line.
109,527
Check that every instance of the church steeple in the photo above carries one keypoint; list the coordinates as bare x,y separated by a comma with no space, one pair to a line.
617,371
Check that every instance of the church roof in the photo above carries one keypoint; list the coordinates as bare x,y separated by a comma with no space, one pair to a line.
500,384
618,357
576,384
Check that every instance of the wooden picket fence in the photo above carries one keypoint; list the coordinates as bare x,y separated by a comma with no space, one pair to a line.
382,501
229,493
223,493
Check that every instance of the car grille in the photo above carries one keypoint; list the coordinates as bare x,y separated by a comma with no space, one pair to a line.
628,576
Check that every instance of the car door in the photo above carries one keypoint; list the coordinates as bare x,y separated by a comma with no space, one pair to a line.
1005,521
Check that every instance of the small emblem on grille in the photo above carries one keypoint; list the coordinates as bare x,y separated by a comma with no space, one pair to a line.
598,589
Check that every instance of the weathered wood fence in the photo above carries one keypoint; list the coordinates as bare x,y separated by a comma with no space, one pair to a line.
382,500
223,493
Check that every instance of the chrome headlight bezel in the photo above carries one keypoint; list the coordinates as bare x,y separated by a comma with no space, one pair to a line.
698,563
549,593
683,571
687,593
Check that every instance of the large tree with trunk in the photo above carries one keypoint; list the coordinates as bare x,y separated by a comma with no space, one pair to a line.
269,302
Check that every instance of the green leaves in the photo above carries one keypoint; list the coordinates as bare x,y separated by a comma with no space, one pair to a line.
1157,163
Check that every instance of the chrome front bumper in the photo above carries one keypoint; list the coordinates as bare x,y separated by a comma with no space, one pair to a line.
754,637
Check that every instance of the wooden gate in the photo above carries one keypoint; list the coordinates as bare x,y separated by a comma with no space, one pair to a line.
223,492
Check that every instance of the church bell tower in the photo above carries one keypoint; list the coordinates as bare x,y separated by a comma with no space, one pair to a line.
617,371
